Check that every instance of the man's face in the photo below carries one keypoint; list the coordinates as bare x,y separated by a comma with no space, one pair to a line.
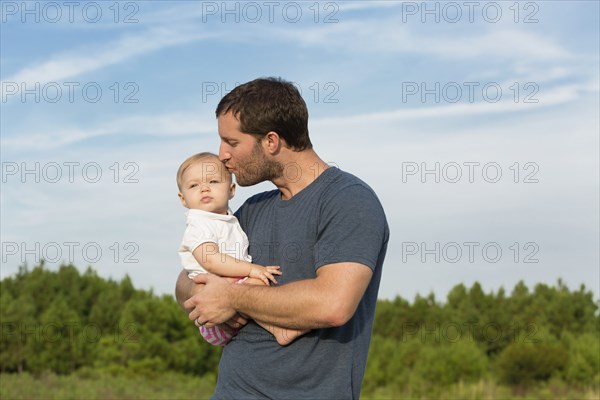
206,186
243,155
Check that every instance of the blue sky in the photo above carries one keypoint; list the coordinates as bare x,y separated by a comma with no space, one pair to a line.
497,100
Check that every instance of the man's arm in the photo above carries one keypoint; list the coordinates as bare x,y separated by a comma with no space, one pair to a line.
328,300
284,336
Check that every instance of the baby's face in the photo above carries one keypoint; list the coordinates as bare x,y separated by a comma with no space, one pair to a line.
207,186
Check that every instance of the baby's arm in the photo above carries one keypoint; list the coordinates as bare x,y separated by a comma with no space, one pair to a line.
208,255
283,336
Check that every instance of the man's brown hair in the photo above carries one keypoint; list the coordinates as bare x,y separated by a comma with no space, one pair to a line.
269,104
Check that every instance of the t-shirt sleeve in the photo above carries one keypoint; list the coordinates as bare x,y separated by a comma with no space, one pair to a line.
352,228
196,234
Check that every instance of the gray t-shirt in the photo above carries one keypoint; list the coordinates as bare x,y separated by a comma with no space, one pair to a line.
337,218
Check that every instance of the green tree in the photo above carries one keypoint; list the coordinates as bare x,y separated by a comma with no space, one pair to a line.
18,330
451,363
524,363
59,345
584,359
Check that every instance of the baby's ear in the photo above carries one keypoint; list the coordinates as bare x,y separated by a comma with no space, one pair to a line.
182,200
232,190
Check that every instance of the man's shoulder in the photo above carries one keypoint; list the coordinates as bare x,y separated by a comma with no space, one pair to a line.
347,191
261,197
257,200
339,180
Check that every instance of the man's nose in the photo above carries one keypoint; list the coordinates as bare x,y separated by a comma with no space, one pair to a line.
223,154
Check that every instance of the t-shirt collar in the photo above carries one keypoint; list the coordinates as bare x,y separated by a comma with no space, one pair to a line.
191,213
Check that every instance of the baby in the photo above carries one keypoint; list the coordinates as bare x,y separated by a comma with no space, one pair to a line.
214,241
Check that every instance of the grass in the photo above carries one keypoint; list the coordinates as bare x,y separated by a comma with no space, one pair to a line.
91,384
489,390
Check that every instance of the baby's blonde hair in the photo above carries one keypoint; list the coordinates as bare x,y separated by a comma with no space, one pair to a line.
194,159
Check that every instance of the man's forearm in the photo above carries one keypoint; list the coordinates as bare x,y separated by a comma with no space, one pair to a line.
326,301
272,305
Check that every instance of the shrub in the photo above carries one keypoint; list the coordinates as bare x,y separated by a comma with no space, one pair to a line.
522,363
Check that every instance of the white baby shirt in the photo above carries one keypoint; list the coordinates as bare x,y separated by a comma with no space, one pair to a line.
204,226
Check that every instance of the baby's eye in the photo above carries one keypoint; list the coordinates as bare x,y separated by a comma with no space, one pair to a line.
214,181
193,185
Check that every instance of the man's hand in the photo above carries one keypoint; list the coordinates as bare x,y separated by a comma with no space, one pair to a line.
265,274
210,303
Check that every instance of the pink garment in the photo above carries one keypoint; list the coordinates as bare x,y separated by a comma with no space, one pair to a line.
215,335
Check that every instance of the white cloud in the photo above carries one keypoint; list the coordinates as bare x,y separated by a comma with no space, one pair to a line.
191,123
558,95
72,63
390,36
172,124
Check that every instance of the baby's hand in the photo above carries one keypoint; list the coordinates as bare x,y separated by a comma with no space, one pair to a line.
265,274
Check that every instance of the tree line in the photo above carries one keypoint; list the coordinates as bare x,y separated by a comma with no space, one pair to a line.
519,339
65,321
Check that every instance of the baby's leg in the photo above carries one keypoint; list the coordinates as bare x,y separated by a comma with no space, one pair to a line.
215,335
283,336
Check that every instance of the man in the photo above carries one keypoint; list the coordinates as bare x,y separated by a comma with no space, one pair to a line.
327,231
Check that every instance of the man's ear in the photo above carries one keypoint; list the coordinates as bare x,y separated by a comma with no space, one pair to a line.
231,191
273,142
182,200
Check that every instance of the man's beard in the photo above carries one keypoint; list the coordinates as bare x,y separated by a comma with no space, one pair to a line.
257,169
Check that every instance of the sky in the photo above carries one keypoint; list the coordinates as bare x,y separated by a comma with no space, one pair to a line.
476,123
